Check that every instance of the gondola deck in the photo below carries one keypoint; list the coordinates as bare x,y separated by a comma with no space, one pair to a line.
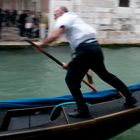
108,118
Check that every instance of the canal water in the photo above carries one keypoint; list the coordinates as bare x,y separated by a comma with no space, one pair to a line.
28,73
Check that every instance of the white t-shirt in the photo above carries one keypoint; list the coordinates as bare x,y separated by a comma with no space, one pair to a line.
76,30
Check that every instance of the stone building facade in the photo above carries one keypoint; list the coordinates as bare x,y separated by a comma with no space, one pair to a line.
116,21
33,5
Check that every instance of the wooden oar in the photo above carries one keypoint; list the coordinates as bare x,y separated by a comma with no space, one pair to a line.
89,76
58,62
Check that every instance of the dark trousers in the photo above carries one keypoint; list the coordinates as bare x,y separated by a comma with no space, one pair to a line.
90,56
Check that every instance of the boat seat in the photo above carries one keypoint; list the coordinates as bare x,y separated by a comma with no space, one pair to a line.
26,118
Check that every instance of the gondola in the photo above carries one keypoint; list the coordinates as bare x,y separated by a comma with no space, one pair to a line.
47,118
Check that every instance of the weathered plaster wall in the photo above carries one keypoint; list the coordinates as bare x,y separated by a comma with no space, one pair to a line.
114,24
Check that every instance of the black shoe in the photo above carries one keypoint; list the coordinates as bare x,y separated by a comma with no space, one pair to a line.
79,114
130,102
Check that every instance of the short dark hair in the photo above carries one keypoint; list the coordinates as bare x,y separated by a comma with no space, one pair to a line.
65,9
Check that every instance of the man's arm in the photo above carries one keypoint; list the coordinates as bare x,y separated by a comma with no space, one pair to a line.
52,37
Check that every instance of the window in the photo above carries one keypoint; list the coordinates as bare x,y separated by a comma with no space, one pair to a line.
124,3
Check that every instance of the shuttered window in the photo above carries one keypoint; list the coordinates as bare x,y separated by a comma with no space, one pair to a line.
124,3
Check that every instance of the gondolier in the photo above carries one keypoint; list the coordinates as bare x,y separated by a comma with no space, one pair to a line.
86,54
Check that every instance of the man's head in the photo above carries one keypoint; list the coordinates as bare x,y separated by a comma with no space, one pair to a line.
60,11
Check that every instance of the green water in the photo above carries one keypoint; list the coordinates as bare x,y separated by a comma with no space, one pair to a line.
29,73
130,134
